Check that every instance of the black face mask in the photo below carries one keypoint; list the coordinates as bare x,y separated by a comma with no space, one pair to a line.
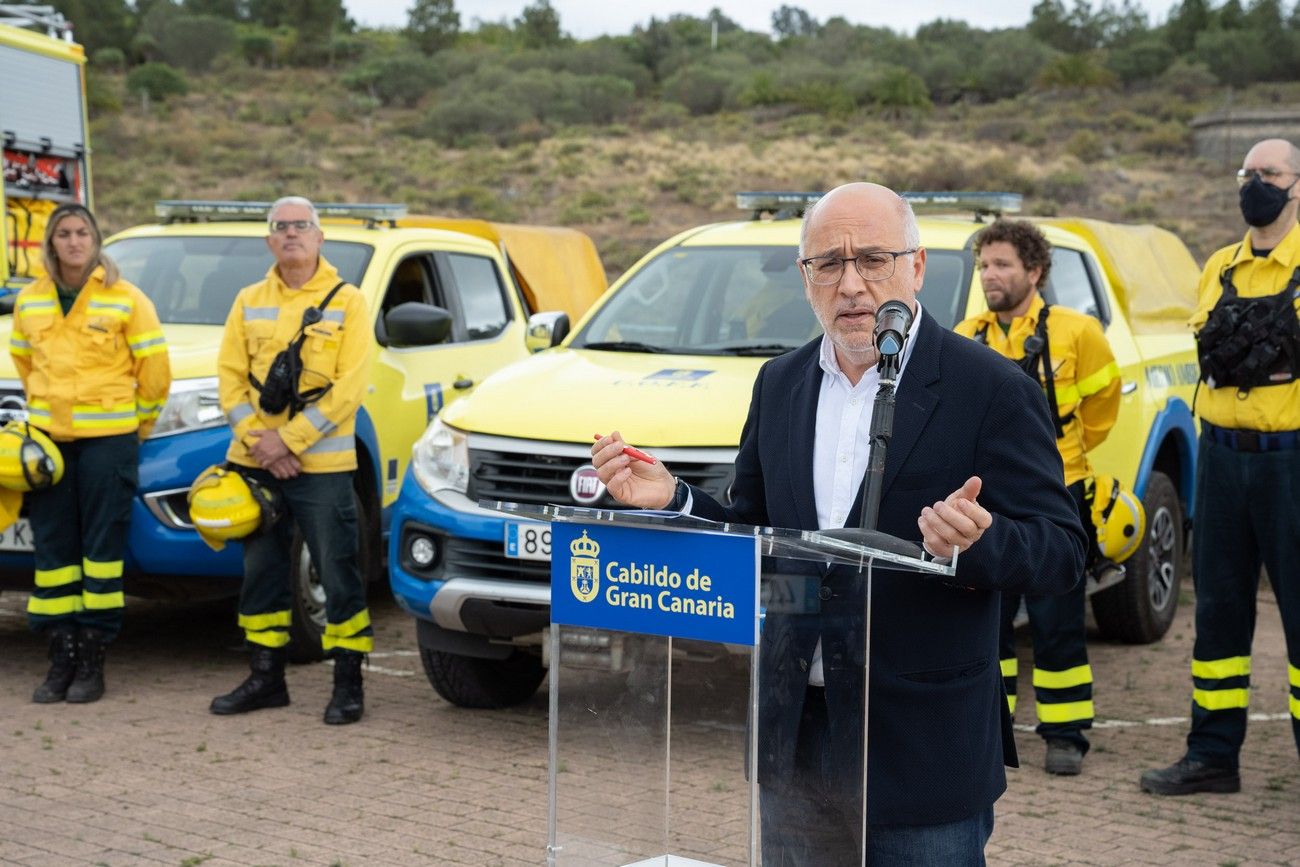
1261,203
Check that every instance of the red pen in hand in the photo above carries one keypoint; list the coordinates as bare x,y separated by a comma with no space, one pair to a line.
633,453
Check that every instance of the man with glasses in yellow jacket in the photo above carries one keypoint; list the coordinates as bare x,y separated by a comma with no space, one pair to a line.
292,372
1067,352
1247,505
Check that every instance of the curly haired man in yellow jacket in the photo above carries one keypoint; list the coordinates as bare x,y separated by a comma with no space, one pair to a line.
1014,260
294,434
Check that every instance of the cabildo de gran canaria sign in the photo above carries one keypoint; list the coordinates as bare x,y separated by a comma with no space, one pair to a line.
659,582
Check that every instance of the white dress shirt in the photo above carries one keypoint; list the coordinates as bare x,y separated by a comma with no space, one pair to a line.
842,444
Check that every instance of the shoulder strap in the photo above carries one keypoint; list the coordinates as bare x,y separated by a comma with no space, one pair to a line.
1293,288
325,302
1225,277
1049,376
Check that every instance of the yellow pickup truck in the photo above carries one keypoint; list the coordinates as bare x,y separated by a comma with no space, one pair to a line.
685,331
450,301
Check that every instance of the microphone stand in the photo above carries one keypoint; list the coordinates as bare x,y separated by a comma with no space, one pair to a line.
882,430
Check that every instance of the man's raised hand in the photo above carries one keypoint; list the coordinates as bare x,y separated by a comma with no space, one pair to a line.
959,521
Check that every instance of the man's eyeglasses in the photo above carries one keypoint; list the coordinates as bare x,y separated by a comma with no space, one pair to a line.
279,227
873,266
1268,176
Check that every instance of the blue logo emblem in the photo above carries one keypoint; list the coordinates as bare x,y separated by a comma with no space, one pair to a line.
657,582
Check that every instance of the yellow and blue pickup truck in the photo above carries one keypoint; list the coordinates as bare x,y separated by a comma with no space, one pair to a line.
669,355
475,296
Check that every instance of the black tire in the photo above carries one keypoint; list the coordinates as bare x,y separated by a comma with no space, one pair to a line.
308,606
469,681
1140,609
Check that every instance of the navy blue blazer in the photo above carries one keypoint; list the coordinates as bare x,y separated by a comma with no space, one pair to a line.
939,732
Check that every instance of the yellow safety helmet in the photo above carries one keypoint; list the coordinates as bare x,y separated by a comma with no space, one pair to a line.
1117,516
29,459
226,505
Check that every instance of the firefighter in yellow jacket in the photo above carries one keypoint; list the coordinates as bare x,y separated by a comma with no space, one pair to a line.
292,374
1067,352
1247,505
93,362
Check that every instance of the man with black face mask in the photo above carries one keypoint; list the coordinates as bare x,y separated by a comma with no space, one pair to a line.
1247,507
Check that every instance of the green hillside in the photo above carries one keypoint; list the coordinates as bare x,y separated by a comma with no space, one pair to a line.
1085,111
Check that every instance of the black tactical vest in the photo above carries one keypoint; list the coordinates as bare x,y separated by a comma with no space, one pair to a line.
1251,342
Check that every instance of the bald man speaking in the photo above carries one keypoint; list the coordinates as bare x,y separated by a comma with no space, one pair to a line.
972,464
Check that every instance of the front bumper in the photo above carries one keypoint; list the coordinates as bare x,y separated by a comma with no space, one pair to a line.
470,586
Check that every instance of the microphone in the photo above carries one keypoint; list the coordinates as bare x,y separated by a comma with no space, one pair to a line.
893,319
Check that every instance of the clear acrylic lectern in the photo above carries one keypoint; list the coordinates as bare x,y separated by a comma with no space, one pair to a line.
654,650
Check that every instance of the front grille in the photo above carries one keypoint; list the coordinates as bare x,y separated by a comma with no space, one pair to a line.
476,558
540,479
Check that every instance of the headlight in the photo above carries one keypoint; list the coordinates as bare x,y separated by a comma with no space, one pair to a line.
192,404
440,459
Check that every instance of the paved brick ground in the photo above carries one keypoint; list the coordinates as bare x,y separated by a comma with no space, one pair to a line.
147,776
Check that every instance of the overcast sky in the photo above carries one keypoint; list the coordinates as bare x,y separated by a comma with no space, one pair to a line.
588,18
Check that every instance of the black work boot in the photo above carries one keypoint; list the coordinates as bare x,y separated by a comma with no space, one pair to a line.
1064,757
348,702
264,686
1189,776
63,665
88,685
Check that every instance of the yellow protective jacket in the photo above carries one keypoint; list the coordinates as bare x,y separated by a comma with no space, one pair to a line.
1084,372
1263,408
100,370
264,319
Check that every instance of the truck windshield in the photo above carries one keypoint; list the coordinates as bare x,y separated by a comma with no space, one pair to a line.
194,280
737,301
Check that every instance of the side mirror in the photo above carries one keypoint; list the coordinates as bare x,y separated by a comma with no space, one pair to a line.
414,323
546,330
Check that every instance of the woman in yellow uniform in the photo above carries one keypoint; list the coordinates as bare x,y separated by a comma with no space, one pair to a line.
93,362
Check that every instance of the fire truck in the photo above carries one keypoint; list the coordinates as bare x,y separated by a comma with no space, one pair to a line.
43,128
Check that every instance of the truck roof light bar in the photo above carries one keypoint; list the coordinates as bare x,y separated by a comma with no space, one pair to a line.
197,211
980,203
789,205
781,205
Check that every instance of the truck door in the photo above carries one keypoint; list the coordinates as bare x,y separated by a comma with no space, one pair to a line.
412,383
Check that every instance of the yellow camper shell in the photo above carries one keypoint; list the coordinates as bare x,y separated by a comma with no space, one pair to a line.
557,268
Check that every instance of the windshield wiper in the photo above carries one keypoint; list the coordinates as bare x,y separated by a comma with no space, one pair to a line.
759,349
623,346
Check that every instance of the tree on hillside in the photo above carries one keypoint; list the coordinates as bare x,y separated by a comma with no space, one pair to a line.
539,25
194,41
1186,22
1258,48
725,24
307,16
433,24
1078,29
98,24
791,21
1122,25
231,10
1231,16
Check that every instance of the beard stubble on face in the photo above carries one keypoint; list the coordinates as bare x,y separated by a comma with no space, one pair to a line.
1007,294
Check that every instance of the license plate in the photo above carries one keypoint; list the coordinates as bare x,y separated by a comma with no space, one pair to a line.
528,540
18,536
